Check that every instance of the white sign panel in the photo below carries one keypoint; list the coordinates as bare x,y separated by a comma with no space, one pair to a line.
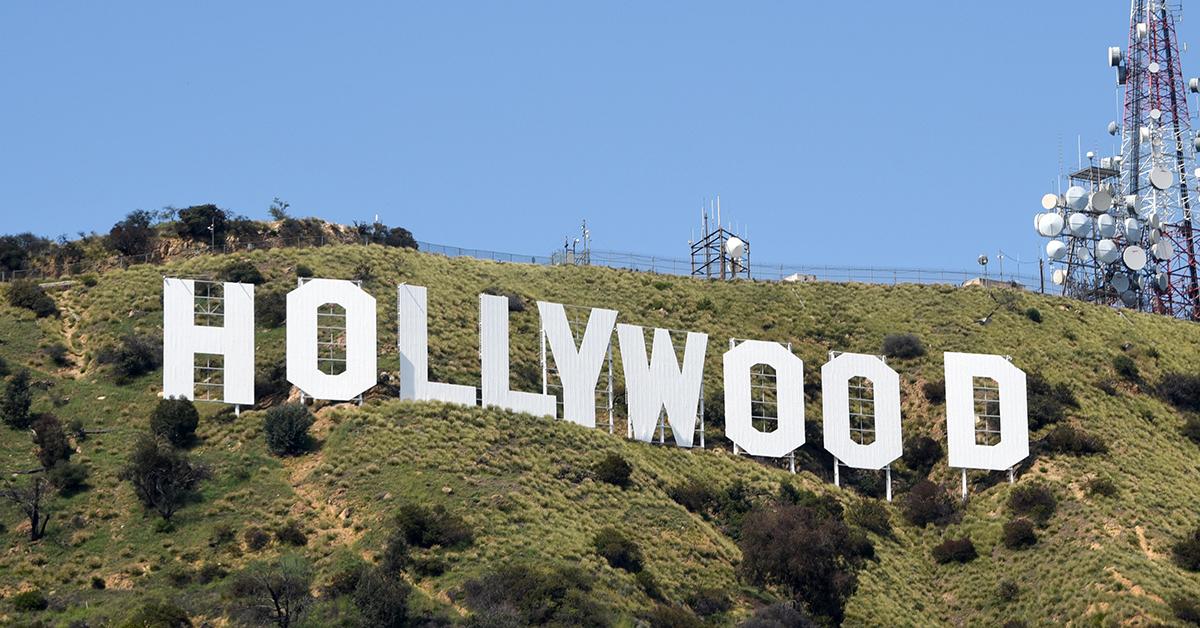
493,352
659,383
578,367
789,382
964,452
183,339
835,403
361,350
413,343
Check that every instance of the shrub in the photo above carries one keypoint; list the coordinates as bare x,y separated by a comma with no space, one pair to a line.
210,572
1033,314
955,551
779,615
1126,367
68,477
30,296
291,533
618,550
4,371
1047,403
89,281
1181,390
51,440
98,583
1072,440
133,357
278,592
1007,590
346,574
649,585
203,223
1101,486
935,391
1186,609
694,495
927,503
526,595
256,538
29,601
242,271
668,616
1191,428
1034,501
382,599
613,469
903,346
871,515
1019,534
270,309
175,420
709,601
303,272
134,235
1187,551
921,453
286,429
427,527
163,478
806,549
16,400
58,353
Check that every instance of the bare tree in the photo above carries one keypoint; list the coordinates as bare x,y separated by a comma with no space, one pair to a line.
30,499
278,591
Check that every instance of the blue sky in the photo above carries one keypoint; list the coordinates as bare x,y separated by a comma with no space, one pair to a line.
894,134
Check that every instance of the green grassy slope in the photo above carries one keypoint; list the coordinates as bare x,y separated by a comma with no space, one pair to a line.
519,481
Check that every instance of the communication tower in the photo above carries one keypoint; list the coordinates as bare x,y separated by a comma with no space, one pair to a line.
1123,231
577,252
719,253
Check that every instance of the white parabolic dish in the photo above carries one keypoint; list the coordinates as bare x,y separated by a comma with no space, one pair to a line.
1107,225
734,247
1133,229
1134,257
1107,251
1077,197
1059,277
1049,201
1056,250
1101,201
1050,225
1120,282
1079,224
1161,178
1163,250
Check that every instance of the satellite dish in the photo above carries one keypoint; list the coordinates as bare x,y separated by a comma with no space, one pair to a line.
1162,250
1050,225
1050,201
1076,197
1113,128
1119,282
1101,201
1134,257
1107,251
1161,280
1161,178
1037,220
1056,250
1155,114
1129,298
1196,140
1154,67
1131,202
1082,252
1154,220
983,260
1106,225
1079,224
1114,56
1059,277
1133,229
1144,133
1142,29
1194,85
734,247
1155,236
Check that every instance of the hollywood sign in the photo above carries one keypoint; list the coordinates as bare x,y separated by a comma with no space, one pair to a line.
655,385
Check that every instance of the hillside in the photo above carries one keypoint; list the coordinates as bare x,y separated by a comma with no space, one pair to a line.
524,484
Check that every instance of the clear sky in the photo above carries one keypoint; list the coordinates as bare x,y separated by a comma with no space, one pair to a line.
876,132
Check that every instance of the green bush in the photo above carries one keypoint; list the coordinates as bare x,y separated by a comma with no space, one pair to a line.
58,354
382,599
1067,439
779,615
525,595
30,601
291,533
613,469
1126,367
68,477
428,527
935,391
1181,390
51,440
1007,590
669,616
131,358
256,538
175,420
903,346
618,550
927,503
203,224
303,272
872,516
98,583
16,400
955,551
270,308
242,271
1047,403
286,429
1186,609
1033,314
1187,551
709,601
1103,487
1019,534
1034,501
921,453
694,495
649,585
134,235
1191,428
30,296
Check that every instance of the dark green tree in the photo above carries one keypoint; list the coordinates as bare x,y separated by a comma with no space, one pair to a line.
175,420
16,400
163,478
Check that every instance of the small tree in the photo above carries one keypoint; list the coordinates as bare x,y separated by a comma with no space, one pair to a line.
1034,501
618,550
134,235
614,470
15,403
133,357
927,503
286,429
175,420
1019,534
903,346
203,223
31,296
1187,551
162,477
921,453
30,499
955,551
279,592
382,598
51,439
427,527
242,271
